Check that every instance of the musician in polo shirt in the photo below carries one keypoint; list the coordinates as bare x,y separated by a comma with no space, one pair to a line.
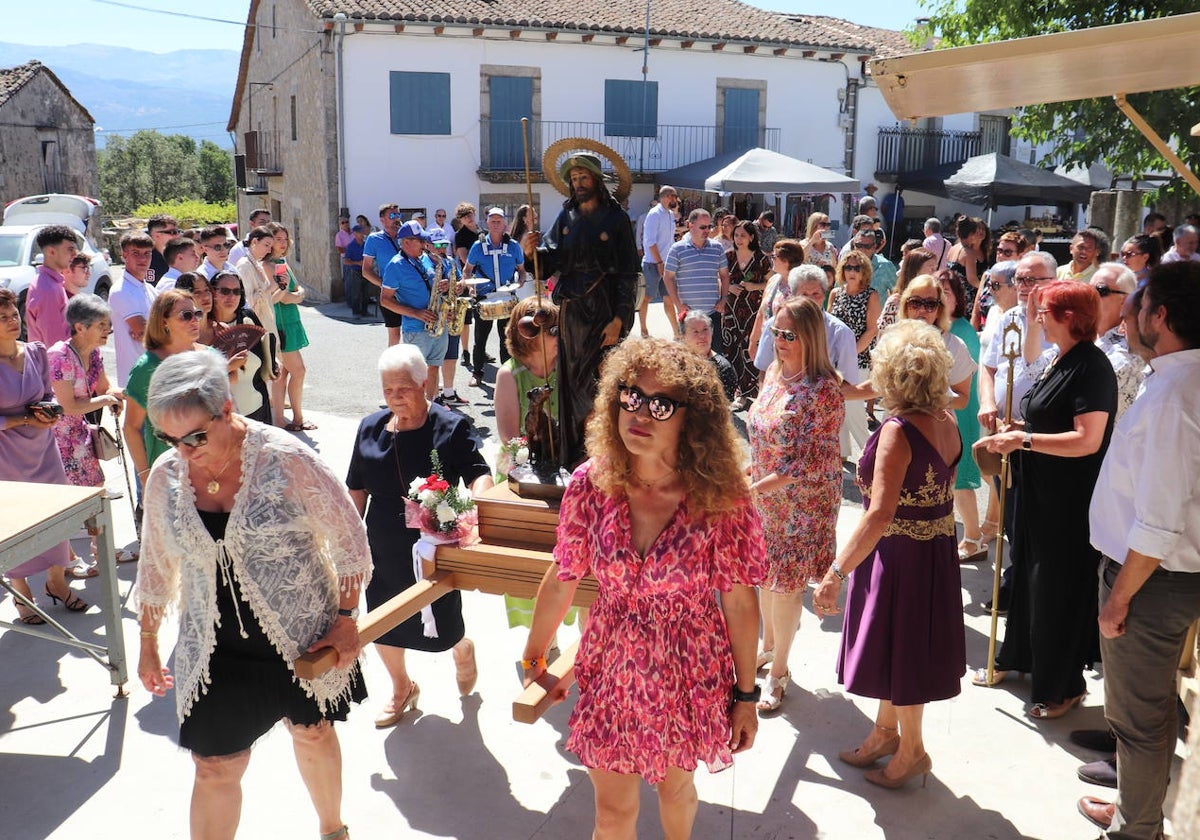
499,259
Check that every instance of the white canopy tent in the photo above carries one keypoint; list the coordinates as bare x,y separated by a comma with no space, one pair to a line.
758,171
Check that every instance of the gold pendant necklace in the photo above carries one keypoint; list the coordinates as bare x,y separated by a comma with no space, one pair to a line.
214,487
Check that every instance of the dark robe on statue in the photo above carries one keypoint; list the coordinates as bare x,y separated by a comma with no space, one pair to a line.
596,259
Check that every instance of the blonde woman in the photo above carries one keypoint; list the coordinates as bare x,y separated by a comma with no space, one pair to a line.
856,304
817,249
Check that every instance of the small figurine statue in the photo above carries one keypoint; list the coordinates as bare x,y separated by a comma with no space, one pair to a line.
540,433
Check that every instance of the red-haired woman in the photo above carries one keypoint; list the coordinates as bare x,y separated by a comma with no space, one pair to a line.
1068,415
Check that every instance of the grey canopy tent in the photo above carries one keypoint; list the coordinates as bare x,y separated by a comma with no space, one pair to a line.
993,179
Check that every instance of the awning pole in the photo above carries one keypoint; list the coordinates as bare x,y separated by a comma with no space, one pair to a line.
1157,142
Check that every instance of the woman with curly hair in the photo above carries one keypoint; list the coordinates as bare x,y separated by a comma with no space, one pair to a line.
902,639
663,521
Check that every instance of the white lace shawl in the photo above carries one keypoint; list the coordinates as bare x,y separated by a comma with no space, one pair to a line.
293,537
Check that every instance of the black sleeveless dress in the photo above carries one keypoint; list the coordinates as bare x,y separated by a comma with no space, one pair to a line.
251,687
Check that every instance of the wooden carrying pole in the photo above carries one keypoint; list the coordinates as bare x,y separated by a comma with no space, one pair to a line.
1012,351
553,685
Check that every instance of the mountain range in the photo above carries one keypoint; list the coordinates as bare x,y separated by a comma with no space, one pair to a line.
187,91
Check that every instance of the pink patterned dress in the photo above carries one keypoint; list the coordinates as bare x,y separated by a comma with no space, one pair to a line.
793,428
71,431
654,666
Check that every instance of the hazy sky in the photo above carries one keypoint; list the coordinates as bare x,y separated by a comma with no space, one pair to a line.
131,23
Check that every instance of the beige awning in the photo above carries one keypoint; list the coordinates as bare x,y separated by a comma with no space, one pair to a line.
1148,55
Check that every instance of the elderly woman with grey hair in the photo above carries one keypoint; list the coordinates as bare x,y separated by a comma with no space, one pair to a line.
81,386
697,336
392,448
257,545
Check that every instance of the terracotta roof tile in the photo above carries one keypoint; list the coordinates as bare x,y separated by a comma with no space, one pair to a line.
12,79
723,20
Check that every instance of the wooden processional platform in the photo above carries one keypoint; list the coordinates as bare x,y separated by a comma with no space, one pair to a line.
516,540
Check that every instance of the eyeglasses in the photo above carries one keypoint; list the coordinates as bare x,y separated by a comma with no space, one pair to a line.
1029,281
1129,255
864,246
227,291
1105,291
786,335
393,216
631,399
1006,252
192,440
188,315
852,268
705,227
999,284
530,326
220,246
439,215
927,304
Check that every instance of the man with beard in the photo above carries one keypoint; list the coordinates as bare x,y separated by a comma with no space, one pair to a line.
591,249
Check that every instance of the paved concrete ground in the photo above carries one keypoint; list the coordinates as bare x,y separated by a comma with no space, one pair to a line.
77,763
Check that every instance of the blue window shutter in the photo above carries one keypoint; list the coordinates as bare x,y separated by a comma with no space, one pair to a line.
420,102
740,131
510,99
623,108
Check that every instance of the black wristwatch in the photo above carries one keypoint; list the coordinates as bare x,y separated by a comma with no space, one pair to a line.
751,696
349,613
1027,443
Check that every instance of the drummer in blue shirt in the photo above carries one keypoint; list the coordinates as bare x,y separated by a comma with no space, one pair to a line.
499,259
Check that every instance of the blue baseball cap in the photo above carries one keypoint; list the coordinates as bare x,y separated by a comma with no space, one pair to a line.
412,230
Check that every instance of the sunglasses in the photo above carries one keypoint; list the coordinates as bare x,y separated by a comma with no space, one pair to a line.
1105,291
786,335
705,227
823,224
854,268
864,246
192,440
927,304
223,290
531,326
999,284
188,315
220,246
631,398
1031,281
1006,252
1129,255
393,215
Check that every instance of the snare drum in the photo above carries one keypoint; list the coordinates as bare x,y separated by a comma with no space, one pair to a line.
497,305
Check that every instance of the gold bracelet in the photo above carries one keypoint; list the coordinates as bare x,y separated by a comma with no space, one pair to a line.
530,664
149,634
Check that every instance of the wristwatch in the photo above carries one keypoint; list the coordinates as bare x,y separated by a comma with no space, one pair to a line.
751,696
837,572
349,613
1027,444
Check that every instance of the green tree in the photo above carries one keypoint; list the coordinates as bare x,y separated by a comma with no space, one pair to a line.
1090,130
216,173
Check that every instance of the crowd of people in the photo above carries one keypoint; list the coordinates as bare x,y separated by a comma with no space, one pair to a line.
839,359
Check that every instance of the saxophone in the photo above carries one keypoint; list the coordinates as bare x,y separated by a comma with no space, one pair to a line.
437,302
457,307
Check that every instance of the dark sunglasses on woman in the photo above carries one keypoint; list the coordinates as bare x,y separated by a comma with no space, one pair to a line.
631,398
1105,291
927,304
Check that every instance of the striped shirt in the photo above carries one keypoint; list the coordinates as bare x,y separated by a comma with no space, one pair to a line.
696,269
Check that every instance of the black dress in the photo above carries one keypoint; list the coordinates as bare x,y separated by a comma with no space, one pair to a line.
1051,629
384,464
251,686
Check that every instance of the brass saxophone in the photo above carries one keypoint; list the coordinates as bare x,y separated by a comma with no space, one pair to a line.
437,302
457,306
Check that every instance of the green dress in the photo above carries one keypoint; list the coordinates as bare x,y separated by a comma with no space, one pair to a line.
287,316
967,477
520,610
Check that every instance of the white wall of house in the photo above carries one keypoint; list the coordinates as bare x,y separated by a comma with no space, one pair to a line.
438,170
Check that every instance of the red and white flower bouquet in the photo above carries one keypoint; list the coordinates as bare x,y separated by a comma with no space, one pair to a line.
441,513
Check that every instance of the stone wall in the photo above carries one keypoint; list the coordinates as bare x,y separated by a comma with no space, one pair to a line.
41,113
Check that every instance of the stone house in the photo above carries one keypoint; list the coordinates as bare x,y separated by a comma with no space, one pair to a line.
47,142
348,104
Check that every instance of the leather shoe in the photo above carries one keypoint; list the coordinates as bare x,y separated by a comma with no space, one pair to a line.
1099,740
1103,772
1096,811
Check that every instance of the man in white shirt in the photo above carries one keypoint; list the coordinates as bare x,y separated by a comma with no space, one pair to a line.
181,256
258,218
439,230
1145,520
214,241
934,242
658,235
1187,238
130,301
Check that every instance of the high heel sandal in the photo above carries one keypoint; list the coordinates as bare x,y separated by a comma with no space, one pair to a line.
71,601
27,616
1050,711
970,550
858,758
765,658
773,693
980,677
989,531
922,767
344,831
389,718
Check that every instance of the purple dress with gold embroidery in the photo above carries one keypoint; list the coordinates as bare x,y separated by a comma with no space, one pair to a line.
903,638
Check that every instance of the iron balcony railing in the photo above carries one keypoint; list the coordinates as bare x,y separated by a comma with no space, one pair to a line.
908,149
262,152
654,148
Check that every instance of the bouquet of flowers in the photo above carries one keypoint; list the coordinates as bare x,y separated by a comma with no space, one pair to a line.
513,453
442,514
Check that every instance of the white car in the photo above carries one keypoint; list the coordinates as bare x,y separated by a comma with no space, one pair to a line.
19,254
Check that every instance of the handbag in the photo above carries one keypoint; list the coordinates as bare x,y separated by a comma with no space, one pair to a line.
104,445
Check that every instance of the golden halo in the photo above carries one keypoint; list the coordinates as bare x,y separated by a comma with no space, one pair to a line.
559,149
